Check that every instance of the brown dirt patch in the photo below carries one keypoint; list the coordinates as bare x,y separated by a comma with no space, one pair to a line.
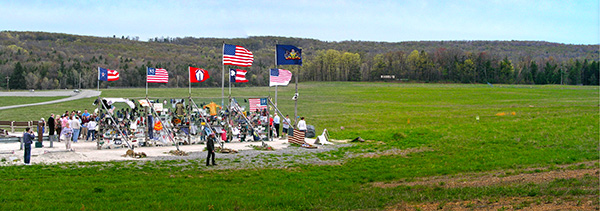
509,203
400,152
496,178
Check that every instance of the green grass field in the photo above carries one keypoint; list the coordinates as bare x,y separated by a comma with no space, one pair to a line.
551,126
8,101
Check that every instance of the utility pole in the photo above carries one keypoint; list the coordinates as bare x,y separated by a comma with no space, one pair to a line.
7,80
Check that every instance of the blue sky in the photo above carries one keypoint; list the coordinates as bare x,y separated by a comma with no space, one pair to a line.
571,22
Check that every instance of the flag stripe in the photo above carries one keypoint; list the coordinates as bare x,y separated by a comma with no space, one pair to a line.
113,75
240,76
107,75
297,138
160,76
237,76
237,55
280,77
255,103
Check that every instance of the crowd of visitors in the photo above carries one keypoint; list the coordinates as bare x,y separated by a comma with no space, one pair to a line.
76,126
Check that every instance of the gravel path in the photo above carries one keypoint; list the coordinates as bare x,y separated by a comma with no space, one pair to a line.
284,155
73,96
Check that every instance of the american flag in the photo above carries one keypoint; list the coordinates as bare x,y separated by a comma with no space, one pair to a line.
257,103
237,55
280,77
159,75
297,138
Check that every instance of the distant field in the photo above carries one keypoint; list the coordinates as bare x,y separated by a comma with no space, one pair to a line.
8,101
417,131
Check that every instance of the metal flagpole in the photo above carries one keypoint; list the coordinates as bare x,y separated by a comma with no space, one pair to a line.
98,78
296,98
147,82
223,77
189,116
276,67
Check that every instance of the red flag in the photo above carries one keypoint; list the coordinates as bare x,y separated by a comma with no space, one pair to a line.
198,75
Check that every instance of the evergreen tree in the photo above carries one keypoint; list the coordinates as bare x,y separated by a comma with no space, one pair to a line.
17,79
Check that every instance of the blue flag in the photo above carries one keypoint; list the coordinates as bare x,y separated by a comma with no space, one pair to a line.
288,55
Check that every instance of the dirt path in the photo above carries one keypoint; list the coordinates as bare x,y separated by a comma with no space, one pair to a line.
538,175
525,176
509,203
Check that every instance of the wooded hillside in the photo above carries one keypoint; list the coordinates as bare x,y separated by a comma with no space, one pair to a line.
40,60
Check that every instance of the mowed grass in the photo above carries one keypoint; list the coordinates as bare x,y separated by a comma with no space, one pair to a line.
8,101
551,125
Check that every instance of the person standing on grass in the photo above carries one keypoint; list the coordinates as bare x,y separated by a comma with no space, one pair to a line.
58,125
84,130
270,126
51,128
91,125
76,128
286,126
276,122
85,113
210,146
302,125
66,135
27,141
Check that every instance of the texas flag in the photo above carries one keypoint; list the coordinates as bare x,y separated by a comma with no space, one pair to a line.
107,75
197,75
237,75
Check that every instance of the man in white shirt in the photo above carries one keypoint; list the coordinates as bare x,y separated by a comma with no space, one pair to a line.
302,125
76,126
276,122
91,125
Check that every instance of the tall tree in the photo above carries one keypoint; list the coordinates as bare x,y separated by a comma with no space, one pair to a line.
17,78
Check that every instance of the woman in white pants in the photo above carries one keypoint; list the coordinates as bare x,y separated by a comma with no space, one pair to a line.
66,135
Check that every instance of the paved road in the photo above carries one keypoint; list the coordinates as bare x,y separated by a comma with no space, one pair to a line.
73,96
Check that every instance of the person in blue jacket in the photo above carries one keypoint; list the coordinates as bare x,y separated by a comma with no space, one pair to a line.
27,141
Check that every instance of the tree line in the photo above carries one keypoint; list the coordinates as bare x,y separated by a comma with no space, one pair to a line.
40,60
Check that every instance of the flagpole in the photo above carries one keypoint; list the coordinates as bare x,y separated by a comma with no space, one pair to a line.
146,82
98,78
296,100
189,116
229,84
276,67
223,76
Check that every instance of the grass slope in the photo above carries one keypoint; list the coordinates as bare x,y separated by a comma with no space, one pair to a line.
8,101
552,125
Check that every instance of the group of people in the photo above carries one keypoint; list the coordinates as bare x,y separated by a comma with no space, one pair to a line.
70,127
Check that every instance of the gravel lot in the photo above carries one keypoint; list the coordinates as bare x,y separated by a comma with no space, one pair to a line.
284,155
